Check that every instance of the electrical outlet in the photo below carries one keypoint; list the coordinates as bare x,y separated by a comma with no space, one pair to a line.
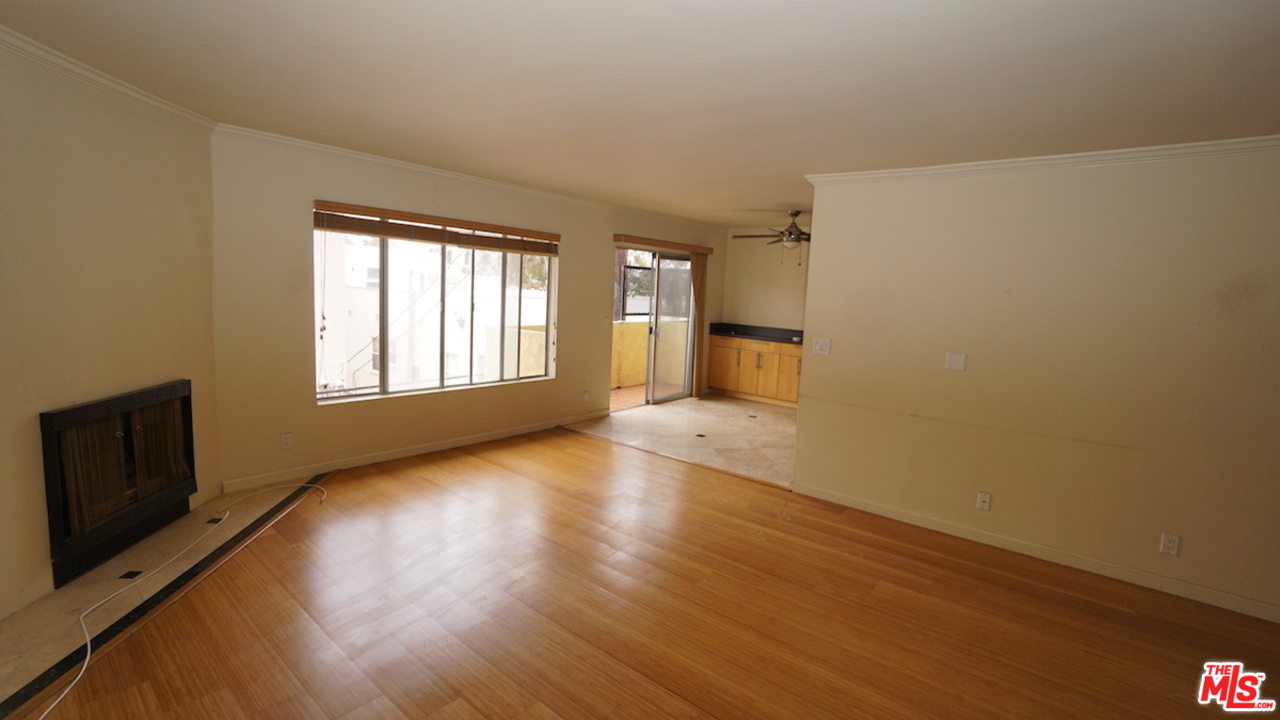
286,441
586,396
984,501
1169,543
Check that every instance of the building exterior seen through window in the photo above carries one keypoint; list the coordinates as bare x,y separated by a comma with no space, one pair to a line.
635,300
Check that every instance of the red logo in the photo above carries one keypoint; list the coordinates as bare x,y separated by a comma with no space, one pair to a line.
1227,684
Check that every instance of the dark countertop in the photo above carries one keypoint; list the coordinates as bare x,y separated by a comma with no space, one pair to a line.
759,332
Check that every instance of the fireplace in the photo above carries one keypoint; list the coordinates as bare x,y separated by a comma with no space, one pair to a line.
116,470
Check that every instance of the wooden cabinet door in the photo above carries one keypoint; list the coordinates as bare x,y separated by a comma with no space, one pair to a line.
788,378
722,371
768,383
748,372
751,366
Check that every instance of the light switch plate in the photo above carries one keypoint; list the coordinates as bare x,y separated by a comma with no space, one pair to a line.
822,346
956,361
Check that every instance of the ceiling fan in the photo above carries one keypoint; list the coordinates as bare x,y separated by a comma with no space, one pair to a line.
791,236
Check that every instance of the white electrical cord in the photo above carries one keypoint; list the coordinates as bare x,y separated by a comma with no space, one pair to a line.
226,513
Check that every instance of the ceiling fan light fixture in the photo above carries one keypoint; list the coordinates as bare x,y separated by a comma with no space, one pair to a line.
790,237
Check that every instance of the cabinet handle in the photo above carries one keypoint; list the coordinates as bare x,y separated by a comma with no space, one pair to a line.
799,362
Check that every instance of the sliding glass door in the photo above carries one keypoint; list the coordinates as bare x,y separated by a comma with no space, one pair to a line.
671,330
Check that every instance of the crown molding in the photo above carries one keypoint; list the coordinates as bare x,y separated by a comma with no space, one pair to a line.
49,58
1160,153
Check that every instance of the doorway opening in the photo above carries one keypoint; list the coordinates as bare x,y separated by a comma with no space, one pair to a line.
654,327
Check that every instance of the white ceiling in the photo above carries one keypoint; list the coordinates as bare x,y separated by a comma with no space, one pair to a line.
712,110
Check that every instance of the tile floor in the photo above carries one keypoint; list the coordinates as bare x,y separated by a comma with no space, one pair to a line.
35,638
747,438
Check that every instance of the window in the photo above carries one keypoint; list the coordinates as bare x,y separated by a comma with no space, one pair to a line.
409,303
634,298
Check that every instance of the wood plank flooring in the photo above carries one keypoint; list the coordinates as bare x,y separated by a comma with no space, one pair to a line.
556,575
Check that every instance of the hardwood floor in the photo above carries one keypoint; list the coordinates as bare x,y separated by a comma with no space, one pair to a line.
556,575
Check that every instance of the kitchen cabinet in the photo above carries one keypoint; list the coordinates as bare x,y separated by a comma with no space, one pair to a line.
722,370
755,369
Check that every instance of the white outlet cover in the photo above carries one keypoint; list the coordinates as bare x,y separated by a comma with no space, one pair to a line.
822,346
956,360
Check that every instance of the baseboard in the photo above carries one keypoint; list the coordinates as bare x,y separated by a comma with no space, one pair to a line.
307,471
1181,588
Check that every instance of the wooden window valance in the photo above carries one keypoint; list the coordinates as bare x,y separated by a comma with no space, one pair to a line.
377,222
665,244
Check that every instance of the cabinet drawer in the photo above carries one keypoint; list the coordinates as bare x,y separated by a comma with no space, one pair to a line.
771,347
728,342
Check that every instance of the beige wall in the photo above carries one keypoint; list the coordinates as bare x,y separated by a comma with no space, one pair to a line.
1122,325
264,189
109,282
764,284
105,274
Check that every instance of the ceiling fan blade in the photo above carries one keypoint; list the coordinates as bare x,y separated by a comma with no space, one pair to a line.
774,242
753,236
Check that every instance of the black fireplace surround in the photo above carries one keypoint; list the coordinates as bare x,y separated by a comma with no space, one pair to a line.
116,470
